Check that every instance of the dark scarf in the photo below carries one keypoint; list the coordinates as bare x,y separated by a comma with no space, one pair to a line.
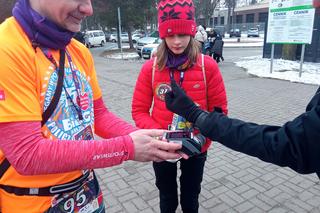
40,30
178,62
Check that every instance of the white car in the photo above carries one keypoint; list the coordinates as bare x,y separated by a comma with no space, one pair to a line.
144,41
254,32
124,37
136,37
95,37
149,49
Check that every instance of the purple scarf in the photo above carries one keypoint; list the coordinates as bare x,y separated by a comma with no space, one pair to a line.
40,30
178,62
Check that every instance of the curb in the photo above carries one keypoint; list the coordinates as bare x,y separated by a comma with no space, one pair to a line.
242,46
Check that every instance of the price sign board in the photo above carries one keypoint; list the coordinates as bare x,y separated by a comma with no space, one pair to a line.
290,21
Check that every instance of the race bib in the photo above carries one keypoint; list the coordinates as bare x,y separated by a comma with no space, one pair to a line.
86,199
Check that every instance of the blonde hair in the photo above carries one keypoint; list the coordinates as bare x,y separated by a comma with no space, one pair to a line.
191,51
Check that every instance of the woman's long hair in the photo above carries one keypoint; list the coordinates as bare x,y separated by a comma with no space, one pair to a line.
191,51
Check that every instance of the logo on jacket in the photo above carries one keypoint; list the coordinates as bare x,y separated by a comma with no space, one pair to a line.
2,95
161,90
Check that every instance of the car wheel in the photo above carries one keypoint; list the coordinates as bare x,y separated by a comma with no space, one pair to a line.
102,43
113,40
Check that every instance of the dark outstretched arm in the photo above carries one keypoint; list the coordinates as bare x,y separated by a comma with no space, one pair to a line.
296,144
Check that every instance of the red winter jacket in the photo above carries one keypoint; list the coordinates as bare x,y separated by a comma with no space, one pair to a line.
158,116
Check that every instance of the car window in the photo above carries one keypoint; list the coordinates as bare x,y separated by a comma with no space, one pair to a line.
101,34
155,34
96,34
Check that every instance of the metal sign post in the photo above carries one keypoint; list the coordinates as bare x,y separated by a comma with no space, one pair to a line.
119,20
272,56
301,59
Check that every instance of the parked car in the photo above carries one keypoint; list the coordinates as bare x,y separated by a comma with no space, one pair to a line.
235,33
136,37
113,37
144,41
154,34
149,49
124,37
254,32
95,37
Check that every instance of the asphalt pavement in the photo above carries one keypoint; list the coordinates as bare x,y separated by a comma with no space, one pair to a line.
233,182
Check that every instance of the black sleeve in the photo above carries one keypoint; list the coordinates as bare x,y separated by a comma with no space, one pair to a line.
296,144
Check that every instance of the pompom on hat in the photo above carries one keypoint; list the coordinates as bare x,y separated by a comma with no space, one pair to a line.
176,17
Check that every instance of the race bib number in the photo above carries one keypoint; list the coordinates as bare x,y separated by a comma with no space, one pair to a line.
86,199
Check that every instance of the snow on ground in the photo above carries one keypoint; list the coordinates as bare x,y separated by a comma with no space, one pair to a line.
243,44
244,41
258,66
282,69
124,55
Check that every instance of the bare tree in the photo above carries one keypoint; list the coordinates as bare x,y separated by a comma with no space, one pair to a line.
231,5
205,10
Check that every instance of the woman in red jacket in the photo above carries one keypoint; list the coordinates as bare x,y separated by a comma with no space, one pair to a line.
178,59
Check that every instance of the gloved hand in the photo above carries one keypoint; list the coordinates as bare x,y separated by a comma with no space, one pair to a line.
192,147
178,102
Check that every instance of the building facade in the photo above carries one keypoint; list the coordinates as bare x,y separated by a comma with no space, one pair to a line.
244,17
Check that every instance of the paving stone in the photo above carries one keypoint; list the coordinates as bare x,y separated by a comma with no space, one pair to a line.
232,182
127,197
139,203
244,207
130,207
249,194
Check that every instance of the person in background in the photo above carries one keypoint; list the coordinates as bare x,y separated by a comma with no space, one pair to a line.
201,36
294,144
177,59
50,108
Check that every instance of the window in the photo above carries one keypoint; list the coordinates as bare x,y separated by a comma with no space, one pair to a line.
263,17
239,19
250,18
221,20
211,21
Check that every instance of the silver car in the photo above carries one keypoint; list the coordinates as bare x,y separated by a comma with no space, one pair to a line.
144,41
254,32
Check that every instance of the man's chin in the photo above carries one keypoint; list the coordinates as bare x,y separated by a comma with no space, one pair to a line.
75,28
72,26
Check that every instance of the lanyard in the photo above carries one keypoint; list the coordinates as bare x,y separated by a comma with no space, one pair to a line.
181,76
75,78
49,56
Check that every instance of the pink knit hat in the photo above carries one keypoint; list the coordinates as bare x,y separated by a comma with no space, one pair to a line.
176,17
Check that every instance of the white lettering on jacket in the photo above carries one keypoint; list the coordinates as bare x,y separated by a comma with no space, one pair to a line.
108,155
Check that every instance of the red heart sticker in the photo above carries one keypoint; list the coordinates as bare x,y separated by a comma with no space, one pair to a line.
84,101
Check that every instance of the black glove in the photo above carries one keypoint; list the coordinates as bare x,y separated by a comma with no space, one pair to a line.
178,102
192,147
